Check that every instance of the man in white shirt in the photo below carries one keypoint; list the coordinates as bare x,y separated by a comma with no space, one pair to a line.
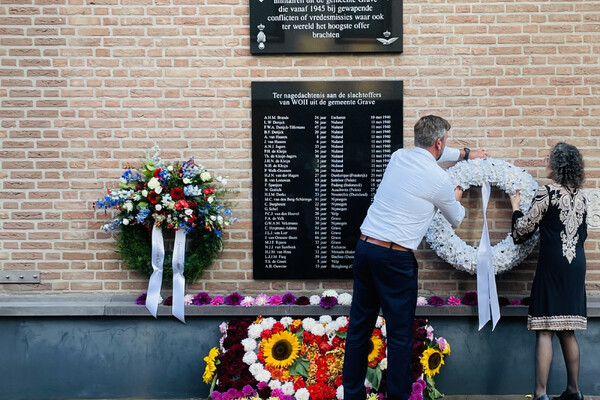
413,188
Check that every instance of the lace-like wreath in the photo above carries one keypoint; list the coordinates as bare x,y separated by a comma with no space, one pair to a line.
506,254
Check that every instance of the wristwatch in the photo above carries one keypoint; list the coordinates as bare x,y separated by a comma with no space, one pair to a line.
467,151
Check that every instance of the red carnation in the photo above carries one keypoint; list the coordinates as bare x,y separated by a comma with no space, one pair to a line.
177,193
157,172
153,197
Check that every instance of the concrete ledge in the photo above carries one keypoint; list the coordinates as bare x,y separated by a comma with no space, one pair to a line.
86,306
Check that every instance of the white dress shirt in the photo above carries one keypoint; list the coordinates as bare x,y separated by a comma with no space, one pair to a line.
412,189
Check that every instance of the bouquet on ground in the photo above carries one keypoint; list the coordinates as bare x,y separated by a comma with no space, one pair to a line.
290,359
175,197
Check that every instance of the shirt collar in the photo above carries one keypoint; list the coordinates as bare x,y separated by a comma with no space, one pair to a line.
421,150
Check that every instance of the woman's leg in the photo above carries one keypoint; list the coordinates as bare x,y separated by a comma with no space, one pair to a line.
570,350
543,359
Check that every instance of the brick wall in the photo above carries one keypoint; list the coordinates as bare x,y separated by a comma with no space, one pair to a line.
87,86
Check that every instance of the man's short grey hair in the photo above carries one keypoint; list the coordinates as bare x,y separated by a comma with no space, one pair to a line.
430,128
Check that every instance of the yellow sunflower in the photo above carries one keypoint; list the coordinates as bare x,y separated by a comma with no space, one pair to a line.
209,371
376,347
432,360
281,349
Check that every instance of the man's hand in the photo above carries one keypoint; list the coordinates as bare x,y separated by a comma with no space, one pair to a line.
458,193
515,200
480,153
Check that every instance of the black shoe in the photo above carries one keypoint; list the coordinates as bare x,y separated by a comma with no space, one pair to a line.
569,396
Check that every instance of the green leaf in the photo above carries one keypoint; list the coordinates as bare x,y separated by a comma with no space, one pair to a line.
431,393
374,376
341,335
300,367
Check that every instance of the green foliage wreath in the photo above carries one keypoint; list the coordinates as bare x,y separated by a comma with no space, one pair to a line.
134,244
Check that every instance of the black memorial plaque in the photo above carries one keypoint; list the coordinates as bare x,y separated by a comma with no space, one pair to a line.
325,26
319,150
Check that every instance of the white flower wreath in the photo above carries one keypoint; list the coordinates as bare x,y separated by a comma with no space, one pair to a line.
506,254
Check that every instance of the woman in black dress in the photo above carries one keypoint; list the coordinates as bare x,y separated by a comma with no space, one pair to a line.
558,300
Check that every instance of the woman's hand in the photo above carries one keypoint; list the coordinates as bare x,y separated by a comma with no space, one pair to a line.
515,200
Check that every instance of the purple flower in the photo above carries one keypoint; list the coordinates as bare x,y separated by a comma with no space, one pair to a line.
201,299
215,395
503,301
168,301
302,301
470,299
328,301
277,393
436,301
232,394
288,298
248,391
515,302
141,300
261,385
453,301
234,299
217,300
274,300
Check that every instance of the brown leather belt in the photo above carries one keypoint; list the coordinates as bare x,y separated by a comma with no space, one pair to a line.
389,245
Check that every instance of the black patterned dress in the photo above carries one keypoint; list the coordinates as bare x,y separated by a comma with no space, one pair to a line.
558,300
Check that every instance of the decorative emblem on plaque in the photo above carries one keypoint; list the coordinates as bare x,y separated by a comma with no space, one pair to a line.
261,38
387,40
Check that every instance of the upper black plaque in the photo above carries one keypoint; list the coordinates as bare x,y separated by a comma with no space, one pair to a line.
319,150
325,26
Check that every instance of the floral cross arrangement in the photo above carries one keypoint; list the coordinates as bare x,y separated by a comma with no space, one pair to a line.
290,359
180,198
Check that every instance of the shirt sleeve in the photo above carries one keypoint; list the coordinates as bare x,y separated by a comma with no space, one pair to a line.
450,154
525,225
446,202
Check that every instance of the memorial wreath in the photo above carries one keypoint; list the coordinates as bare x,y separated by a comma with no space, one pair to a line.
506,254
173,197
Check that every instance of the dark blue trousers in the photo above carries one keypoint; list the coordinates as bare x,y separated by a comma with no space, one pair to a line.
387,279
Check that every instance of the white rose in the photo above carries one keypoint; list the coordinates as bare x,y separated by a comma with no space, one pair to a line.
205,176
125,221
145,193
170,168
213,218
158,207
220,219
153,183
188,211
171,205
158,190
128,206
210,199
187,181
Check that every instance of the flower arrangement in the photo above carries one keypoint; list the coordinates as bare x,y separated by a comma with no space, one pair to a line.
179,196
344,299
291,358
505,254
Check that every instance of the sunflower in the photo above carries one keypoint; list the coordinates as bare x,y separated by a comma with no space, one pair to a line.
209,371
377,350
432,360
281,349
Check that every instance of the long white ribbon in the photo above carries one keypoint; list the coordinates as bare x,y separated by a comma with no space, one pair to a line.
178,279
158,257
487,296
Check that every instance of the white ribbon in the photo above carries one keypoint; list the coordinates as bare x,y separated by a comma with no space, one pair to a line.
178,279
158,257
487,296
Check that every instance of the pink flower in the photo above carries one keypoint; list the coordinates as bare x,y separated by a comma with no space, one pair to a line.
515,302
217,300
453,301
421,301
274,300
429,332
442,344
